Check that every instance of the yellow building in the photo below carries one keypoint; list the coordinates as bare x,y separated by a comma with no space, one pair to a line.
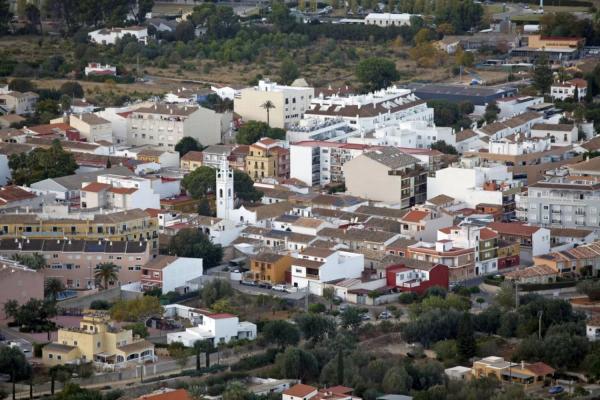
270,267
191,160
506,371
99,341
266,159
129,225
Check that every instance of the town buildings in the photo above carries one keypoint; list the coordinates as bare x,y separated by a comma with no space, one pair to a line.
388,19
559,134
74,262
91,127
267,158
171,273
287,104
18,283
270,267
164,125
417,279
387,175
18,103
533,240
100,69
219,328
527,374
572,89
556,48
313,266
99,341
581,260
592,329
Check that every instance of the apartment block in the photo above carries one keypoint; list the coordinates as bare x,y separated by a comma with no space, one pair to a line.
74,262
387,175
18,282
92,127
164,125
289,103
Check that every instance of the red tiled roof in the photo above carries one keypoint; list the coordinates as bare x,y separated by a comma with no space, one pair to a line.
338,389
96,187
122,190
193,156
9,194
179,394
414,216
153,212
513,228
540,368
300,390
49,129
486,234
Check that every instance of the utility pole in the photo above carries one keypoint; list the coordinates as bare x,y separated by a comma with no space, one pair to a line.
516,295
540,324
307,295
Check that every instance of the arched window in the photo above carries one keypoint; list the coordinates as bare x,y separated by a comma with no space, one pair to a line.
220,193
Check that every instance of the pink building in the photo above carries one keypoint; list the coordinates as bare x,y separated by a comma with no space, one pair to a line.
18,283
74,261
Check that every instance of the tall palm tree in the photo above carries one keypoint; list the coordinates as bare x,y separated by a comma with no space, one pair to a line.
106,273
52,287
268,105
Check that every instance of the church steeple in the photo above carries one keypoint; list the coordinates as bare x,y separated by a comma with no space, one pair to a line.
224,190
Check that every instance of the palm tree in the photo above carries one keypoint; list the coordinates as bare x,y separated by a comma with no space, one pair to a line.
268,105
106,273
52,287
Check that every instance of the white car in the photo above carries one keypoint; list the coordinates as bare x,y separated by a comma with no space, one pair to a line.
279,288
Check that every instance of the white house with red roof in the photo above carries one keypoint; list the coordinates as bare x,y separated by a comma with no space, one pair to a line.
220,328
119,192
565,90
423,222
301,391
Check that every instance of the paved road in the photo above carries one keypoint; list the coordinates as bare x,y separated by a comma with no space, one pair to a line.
21,339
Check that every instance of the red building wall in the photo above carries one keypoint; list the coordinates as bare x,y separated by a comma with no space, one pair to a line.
438,276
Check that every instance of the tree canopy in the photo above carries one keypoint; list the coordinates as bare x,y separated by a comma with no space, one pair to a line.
376,73
252,131
542,75
136,310
203,181
40,164
195,244
187,144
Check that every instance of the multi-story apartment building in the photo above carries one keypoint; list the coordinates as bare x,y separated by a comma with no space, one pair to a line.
566,198
477,185
92,127
19,283
287,103
267,158
99,341
75,261
118,226
313,266
321,162
164,125
388,175
366,112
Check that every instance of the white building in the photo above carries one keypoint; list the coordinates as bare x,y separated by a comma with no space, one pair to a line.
513,106
289,103
592,329
559,134
413,134
458,373
172,273
100,69
387,19
111,35
314,266
164,125
92,127
119,192
518,145
218,328
225,92
369,111
565,90
336,129
117,116
321,162
473,186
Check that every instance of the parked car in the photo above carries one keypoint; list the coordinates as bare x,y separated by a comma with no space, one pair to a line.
385,315
279,288
556,390
247,282
264,285
365,317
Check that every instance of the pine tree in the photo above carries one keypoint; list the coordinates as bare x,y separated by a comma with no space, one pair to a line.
542,75
466,344
340,367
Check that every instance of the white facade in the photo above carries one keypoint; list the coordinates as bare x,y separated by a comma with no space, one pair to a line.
592,329
512,106
466,184
369,111
520,147
118,119
180,272
225,92
566,90
119,192
413,134
225,191
92,127
387,19
559,134
289,103
312,271
110,36
99,69
219,328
